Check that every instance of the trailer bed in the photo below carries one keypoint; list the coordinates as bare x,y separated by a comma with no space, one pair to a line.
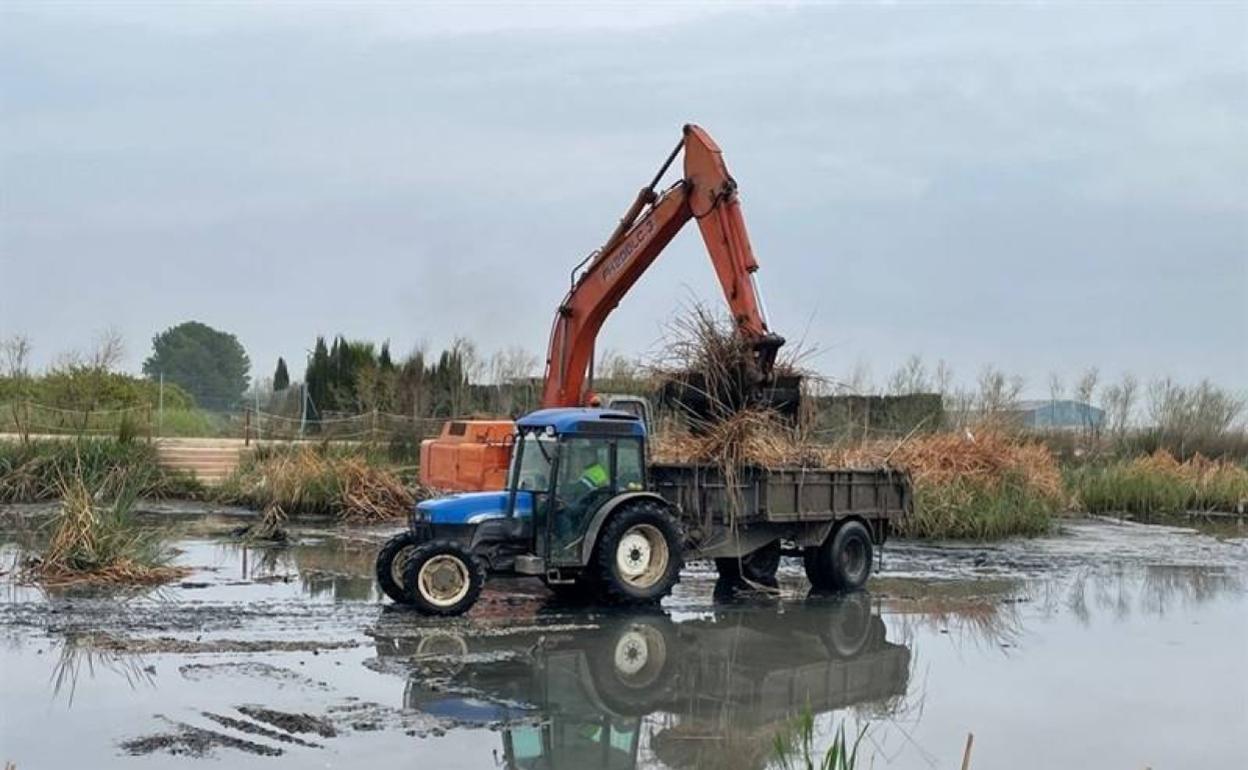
782,495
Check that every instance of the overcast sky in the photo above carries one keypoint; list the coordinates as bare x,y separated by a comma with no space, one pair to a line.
1041,187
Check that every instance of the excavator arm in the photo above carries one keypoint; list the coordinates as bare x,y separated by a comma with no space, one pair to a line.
708,194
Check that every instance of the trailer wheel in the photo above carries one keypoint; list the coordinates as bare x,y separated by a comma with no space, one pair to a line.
442,578
850,627
391,559
638,557
758,566
843,562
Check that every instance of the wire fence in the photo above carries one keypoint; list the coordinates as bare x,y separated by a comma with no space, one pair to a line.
143,421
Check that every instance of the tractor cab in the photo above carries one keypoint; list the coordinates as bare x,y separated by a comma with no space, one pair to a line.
569,463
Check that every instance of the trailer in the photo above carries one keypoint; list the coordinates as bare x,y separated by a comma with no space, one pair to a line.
585,512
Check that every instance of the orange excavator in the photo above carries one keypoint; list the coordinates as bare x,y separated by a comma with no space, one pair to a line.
472,455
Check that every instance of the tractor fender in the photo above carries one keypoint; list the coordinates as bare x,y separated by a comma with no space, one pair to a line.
603,513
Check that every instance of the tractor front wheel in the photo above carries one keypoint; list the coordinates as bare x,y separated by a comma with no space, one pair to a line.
391,560
442,578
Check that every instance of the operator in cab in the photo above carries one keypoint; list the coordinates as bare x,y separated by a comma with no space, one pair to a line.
586,481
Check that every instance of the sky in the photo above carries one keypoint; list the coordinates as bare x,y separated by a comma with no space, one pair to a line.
1039,187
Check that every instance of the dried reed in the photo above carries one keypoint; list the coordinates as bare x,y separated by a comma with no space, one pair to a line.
96,538
314,480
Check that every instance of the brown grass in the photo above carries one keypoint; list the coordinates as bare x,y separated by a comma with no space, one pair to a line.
95,540
1159,483
306,479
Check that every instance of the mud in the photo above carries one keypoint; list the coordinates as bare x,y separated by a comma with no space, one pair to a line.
260,673
187,740
1123,640
166,644
244,726
291,723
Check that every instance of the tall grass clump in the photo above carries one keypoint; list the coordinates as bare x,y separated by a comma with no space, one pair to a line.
34,471
794,746
1159,483
96,537
350,483
980,487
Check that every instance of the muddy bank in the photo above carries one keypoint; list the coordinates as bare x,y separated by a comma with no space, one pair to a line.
167,644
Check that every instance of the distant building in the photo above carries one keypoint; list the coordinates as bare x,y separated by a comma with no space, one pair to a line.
1060,414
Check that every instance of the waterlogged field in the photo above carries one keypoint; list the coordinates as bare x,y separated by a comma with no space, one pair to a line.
1111,645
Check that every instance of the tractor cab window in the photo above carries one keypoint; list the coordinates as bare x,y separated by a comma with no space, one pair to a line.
584,484
630,475
534,453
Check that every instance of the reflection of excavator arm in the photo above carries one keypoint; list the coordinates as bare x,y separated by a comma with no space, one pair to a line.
708,194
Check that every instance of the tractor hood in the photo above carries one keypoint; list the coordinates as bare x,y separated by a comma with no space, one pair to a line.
473,507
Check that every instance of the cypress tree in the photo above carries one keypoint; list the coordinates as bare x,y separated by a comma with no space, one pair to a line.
316,377
281,377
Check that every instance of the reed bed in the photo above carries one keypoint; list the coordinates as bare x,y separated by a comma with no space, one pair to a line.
315,480
96,538
1159,483
32,472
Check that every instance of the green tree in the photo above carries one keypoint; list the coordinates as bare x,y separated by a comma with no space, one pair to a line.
209,364
281,377
316,378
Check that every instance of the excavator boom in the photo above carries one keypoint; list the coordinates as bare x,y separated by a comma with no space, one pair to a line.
708,194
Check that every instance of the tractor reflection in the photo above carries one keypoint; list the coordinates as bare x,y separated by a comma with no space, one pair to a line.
623,690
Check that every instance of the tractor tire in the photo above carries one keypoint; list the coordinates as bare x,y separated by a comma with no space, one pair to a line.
758,567
638,557
442,577
633,664
391,559
843,561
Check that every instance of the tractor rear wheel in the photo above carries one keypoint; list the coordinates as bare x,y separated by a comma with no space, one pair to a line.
442,577
638,555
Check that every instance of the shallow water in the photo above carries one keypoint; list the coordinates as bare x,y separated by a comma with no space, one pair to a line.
1111,645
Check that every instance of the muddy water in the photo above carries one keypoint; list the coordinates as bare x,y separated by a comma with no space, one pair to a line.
1110,645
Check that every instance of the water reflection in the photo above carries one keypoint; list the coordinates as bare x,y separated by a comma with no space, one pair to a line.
710,692
1121,592
79,655
331,567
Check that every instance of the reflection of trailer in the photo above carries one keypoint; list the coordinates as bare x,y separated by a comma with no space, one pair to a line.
585,512
589,698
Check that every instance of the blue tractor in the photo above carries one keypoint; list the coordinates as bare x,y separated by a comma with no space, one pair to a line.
576,512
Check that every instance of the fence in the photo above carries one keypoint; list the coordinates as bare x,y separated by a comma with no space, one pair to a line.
27,418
